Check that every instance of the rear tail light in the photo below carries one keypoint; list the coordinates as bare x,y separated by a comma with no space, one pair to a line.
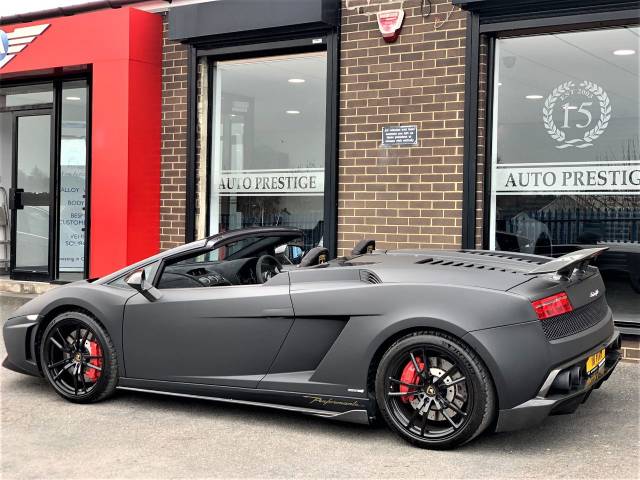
552,306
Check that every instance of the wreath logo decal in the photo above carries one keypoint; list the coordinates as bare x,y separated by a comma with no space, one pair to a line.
588,90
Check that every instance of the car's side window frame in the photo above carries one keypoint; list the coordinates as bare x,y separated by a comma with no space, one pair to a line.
119,282
176,258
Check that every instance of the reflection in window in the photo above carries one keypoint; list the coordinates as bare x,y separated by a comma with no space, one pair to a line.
268,138
566,152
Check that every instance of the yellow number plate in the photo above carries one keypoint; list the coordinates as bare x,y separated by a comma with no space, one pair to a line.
594,361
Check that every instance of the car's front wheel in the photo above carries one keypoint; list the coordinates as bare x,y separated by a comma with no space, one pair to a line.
434,391
78,358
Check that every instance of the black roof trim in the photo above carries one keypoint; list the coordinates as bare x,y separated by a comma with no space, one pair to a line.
192,23
497,8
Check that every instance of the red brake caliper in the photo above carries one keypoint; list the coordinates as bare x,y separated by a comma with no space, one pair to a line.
409,375
94,350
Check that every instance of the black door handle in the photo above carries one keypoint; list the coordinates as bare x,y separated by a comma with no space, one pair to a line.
15,198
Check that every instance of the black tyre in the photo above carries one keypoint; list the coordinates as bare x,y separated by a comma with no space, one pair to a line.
78,358
439,403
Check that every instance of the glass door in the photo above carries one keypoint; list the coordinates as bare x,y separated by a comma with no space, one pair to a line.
30,195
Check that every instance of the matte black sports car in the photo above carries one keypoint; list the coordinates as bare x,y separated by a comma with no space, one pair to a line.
442,345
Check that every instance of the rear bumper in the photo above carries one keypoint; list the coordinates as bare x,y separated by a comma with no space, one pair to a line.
549,402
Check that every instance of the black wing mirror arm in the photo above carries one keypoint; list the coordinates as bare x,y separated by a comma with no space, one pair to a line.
138,282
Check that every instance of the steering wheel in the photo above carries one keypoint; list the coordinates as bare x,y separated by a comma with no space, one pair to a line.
267,267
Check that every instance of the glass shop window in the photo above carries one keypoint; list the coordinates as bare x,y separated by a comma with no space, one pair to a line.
565,170
267,153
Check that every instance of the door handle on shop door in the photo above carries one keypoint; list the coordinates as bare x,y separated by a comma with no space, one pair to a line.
15,198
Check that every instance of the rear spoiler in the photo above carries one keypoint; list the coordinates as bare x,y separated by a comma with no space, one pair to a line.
566,264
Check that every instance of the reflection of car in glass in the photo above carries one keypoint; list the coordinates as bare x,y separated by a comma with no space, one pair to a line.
620,268
442,345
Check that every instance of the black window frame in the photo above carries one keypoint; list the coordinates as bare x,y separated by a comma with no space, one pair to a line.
263,45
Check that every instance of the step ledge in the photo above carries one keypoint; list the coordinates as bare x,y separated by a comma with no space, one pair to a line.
22,286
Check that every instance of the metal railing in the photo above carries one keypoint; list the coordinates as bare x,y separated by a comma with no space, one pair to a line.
565,226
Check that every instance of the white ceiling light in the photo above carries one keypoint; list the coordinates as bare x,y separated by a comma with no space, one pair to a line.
533,97
623,52
296,80
293,112
73,99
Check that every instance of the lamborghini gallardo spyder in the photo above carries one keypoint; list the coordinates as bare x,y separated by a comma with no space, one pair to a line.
441,345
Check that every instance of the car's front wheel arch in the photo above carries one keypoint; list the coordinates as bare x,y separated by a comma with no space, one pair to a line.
48,317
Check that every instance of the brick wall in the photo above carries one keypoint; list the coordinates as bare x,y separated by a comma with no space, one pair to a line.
174,143
402,197
631,348
481,159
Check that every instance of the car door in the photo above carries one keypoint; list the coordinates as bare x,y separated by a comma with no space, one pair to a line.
221,335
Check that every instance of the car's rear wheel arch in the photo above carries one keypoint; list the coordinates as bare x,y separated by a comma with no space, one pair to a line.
477,373
416,330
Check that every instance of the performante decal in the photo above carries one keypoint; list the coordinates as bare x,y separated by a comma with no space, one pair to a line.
330,401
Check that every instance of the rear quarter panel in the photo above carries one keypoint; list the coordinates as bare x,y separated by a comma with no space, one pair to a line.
379,312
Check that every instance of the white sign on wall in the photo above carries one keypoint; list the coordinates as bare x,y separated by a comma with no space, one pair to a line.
282,182
564,178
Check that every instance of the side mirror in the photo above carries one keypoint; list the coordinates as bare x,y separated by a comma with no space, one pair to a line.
137,280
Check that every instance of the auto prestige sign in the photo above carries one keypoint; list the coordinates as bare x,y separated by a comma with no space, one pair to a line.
282,182
562,178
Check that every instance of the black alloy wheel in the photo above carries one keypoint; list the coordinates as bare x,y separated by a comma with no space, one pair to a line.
434,391
78,358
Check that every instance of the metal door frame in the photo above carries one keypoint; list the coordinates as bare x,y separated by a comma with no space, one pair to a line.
17,273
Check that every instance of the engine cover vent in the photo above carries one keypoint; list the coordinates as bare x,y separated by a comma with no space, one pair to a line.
367,276
507,255
451,263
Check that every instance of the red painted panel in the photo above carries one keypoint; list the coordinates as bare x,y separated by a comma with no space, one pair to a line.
124,48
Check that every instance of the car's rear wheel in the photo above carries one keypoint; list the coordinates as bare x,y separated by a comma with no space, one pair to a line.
78,358
434,391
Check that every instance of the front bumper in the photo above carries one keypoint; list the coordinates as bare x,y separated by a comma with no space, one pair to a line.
19,339
549,402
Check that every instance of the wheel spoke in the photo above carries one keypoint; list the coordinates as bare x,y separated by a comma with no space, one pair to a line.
75,379
92,366
76,339
454,407
455,382
62,370
57,344
57,364
415,365
399,382
446,374
92,357
81,376
413,418
84,337
401,394
425,418
453,424
427,368
64,340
